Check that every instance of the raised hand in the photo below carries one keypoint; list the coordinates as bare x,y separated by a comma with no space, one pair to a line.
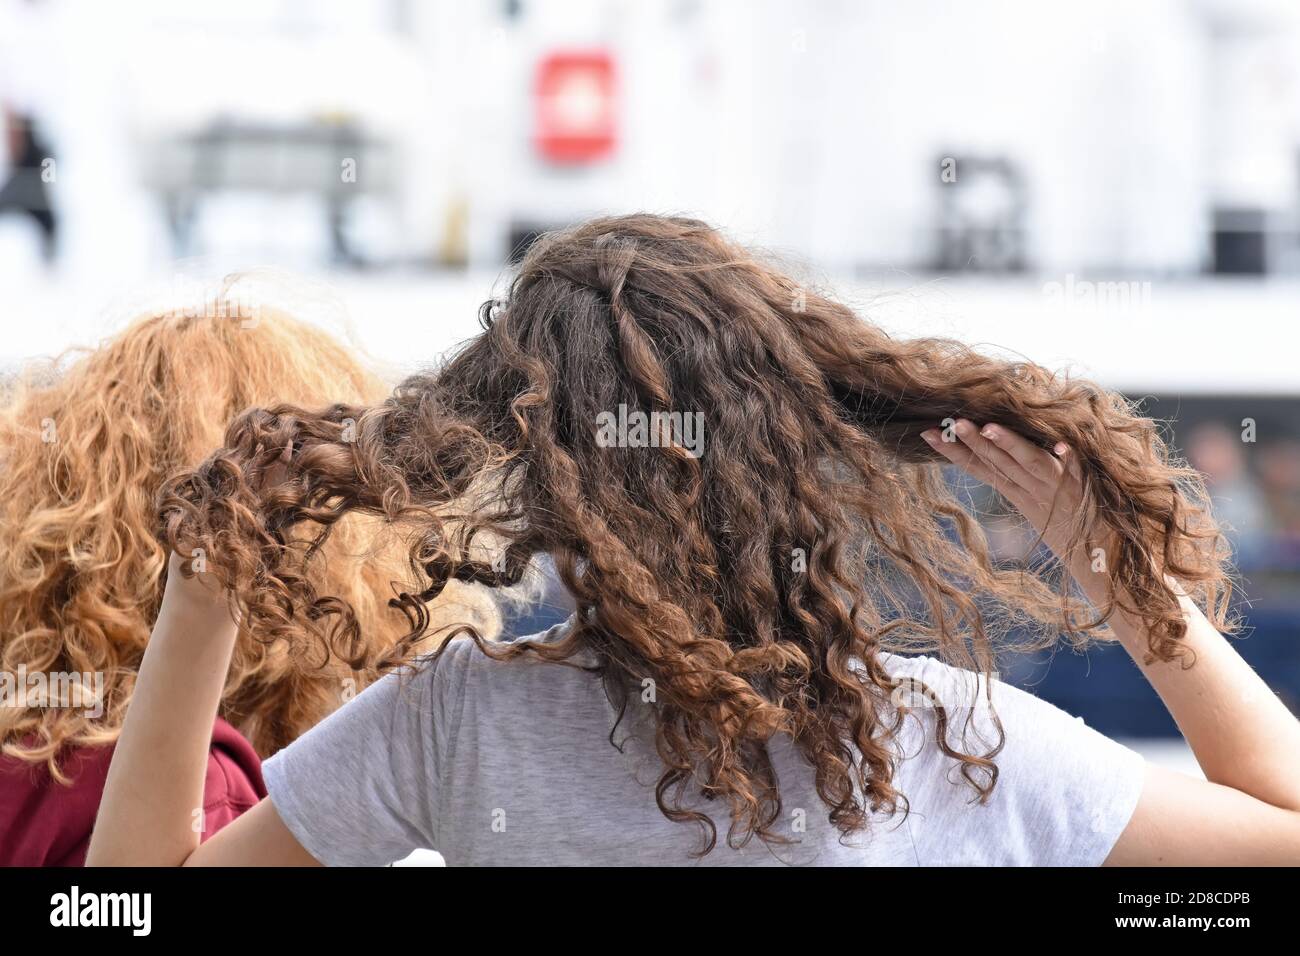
1046,487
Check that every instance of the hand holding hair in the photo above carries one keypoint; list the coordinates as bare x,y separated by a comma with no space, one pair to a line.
1046,487
1243,737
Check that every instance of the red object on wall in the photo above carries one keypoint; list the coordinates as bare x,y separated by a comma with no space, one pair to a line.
576,114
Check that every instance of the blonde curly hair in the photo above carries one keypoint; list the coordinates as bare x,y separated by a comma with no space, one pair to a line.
85,444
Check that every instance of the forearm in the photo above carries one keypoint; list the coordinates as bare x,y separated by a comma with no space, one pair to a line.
1246,741
154,792
1243,736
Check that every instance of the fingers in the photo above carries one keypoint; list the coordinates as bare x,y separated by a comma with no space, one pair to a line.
1002,458
995,467
1069,460
964,458
980,441
1033,461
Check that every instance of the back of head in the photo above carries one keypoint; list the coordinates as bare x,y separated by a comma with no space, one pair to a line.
729,473
86,445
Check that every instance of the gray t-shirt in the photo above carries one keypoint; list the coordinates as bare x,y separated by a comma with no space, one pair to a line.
511,763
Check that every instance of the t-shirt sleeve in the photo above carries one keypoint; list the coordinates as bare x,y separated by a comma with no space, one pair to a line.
361,787
1064,792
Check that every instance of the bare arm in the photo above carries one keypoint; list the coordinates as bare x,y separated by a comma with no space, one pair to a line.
1244,738
154,790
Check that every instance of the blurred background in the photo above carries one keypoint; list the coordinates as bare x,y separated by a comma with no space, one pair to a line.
1110,187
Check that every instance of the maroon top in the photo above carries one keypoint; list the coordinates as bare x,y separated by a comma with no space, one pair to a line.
43,823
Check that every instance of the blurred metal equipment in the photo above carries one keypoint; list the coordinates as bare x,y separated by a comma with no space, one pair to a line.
982,215
320,158
1240,242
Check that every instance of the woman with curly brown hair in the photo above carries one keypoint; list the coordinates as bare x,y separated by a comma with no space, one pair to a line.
86,444
786,624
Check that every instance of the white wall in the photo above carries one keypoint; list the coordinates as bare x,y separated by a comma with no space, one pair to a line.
812,127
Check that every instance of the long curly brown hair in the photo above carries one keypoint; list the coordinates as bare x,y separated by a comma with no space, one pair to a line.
755,584
87,440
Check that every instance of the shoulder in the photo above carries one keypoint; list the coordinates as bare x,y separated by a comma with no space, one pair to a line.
928,685
437,687
480,695
463,660
982,716
1062,791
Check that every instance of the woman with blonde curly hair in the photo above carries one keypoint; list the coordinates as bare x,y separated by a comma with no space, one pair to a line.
786,624
85,446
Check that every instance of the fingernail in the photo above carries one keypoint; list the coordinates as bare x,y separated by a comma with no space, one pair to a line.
1061,448
989,431
929,436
